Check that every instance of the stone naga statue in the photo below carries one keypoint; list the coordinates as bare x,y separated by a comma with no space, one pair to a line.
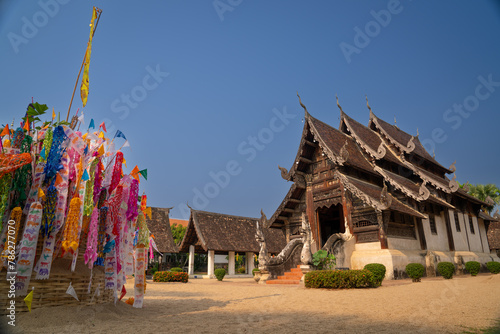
305,231
259,236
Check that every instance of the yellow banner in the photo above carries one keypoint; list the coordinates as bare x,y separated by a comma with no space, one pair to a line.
84,88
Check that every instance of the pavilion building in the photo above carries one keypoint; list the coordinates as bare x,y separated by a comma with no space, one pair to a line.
214,233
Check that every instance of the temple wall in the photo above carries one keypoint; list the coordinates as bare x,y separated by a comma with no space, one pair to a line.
474,238
395,260
459,238
403,243
484,237
439,241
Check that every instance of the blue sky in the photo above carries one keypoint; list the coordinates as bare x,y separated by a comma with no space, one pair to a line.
205,91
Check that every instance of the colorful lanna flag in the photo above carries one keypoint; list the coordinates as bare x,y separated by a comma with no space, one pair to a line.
29,299
84,88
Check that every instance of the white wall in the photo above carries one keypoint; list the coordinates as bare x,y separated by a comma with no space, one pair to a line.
439,241
474,239
459,238
403,243
484,237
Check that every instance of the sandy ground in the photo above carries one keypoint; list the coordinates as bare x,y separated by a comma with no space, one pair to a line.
241,306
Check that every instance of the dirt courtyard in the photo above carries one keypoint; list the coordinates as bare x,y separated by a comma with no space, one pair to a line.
435,305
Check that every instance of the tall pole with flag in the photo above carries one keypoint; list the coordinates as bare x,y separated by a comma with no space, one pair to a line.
84,88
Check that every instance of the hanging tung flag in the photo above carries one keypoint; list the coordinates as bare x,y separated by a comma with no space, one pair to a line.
29,298
53,114
42,153
5,131
103,126
84,88
134,173
127,144
26,124
119,134
85,176
144,173
91,125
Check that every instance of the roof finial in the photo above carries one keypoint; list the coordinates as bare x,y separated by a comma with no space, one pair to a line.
338,105
433,153
301,104
366,97
417,133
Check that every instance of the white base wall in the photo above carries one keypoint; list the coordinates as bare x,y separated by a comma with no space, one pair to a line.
395,260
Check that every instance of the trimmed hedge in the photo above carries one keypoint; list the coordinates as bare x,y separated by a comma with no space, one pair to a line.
378,271
167,276
493,267
241,270
339,279
473,267
415,271
220,273
176,270
446,269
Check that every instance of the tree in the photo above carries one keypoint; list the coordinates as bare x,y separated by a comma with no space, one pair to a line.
178,232
482,192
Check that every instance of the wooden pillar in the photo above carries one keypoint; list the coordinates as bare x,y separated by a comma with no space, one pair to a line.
311,216
191,260
211,264
421,234
382,229
346,208
249,264
231,264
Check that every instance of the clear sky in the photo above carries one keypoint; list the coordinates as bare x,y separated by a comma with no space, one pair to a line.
206,90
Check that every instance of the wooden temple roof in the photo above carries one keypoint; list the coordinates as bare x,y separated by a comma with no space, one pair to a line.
334,142
223,233
404,141
372,195
159,226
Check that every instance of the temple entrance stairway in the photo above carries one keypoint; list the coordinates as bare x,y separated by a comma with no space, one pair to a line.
291,277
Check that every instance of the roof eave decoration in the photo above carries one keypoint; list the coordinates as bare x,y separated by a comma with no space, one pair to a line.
381,151
497,215
410,146
422,195
379,207
450,188
454,186
336,159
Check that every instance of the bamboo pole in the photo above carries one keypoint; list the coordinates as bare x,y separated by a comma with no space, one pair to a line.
99,11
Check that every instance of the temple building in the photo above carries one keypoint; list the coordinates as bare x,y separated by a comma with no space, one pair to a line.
373,194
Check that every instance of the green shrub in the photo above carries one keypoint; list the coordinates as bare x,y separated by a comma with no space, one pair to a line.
220,273
415,271
473,267
446,269
254,270
493,267
378,271
167,276
323,261
241,270
176,270
339,279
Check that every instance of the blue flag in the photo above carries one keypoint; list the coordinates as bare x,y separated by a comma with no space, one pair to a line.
120,134
91,125
85,176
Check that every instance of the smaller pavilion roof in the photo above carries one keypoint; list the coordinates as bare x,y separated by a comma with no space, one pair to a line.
159,226
223,233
